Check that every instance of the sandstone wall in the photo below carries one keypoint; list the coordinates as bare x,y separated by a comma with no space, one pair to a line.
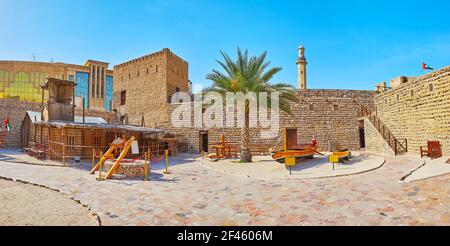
149,81
331,115
374,141
15,109
419,110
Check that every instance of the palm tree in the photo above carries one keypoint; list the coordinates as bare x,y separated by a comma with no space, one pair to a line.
249,74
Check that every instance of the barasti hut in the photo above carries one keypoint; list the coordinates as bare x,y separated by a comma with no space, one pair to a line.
57,134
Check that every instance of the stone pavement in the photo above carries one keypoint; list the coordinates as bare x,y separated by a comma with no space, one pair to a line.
17,155
431,169
195,195
265,168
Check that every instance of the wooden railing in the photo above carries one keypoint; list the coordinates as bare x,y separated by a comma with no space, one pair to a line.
399,146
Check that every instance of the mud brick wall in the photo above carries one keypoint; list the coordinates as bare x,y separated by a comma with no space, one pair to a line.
374,141
149,82
15,109
331,115
419,110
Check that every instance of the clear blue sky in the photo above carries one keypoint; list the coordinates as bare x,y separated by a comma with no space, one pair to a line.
349,44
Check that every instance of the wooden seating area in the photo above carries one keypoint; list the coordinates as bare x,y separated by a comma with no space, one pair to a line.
432,150
36,150
224,149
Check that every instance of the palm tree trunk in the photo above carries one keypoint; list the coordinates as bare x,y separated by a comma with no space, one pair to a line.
246,155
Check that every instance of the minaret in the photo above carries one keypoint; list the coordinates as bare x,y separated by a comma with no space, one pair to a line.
301,65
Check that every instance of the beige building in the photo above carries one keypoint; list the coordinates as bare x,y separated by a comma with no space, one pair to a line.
144,86
22,80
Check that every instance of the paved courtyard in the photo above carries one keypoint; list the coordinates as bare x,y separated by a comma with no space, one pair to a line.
196,195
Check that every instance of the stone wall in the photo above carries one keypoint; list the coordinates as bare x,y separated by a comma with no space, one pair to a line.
331,115
419,110
15,109
149,81
374,141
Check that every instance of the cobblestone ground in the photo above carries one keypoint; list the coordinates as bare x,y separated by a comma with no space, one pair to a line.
196,195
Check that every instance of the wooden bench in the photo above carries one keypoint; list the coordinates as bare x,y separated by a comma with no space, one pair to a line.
36,150
432,150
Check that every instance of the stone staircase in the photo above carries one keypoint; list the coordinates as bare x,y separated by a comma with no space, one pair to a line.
398,146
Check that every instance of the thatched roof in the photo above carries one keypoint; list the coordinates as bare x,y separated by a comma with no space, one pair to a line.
118,127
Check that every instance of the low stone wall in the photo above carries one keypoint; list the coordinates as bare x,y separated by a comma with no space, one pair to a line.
131,169
374,141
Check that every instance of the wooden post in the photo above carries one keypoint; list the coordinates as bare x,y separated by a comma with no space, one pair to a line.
406,145
49,142
395,147
100,178
157,145
167,162
73,101
84,112
63,146
285,140
146,166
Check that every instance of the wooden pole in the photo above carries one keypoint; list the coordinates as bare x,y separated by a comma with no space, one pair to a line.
146,166
73,102
84,112
100,178
167,162
63,146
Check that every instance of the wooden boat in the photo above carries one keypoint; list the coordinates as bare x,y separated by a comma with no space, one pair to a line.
344,154
298,152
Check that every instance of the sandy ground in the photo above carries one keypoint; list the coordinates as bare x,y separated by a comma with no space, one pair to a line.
28,205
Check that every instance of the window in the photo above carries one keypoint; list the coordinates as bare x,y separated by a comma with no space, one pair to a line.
430,87
70,143
412,93
123,97
177,89
147,70
156,68
311,107
138,73
335,107
398,97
